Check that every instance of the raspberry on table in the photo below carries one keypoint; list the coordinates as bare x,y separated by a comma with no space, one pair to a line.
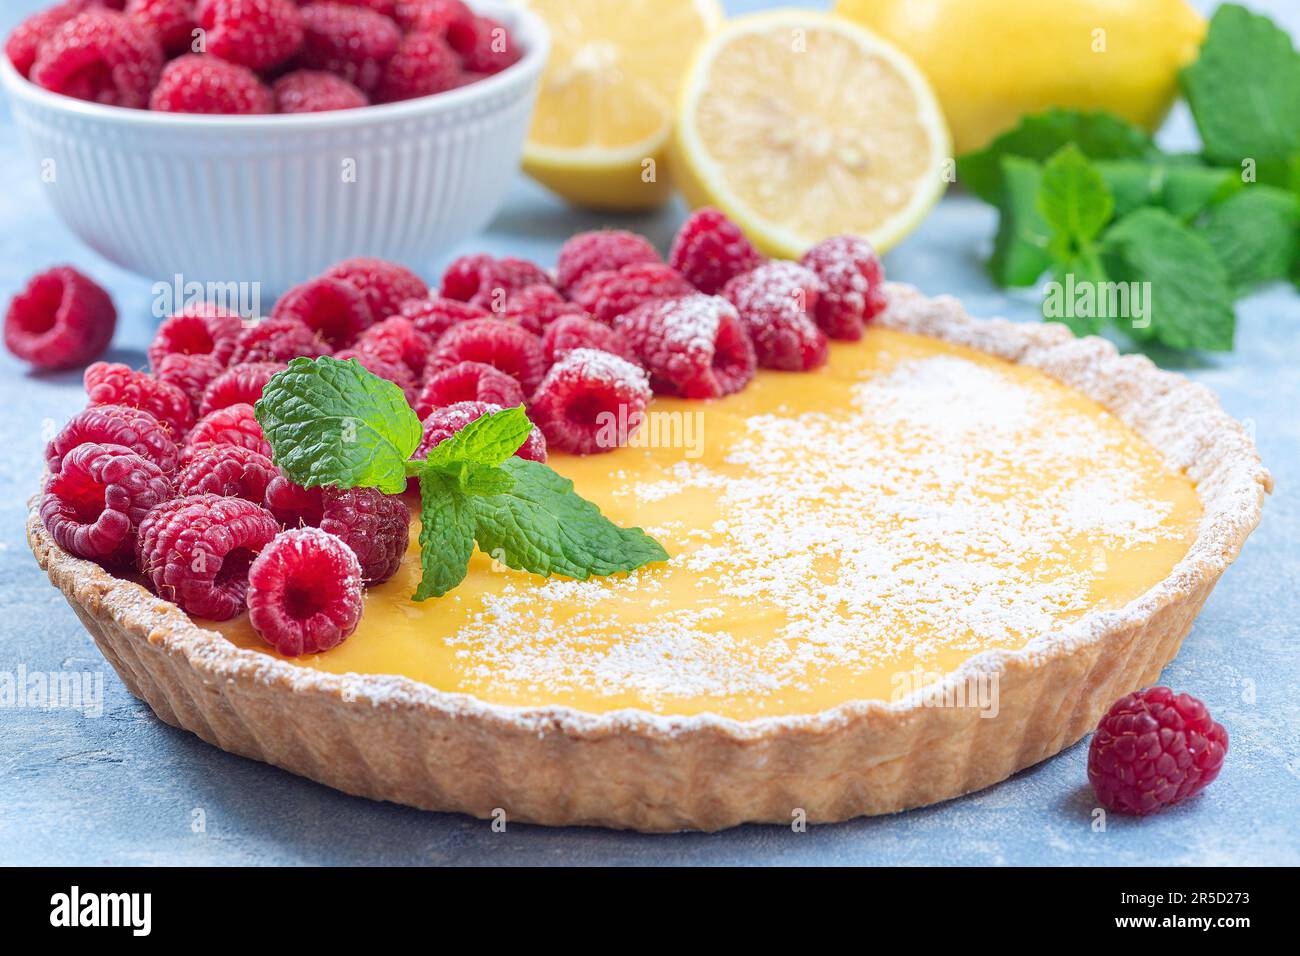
776,303
101,56
590,401
853,283
390,369
397,339
132,428
468,382
171,20
110,383
196,551
232,425
351,42
336,310
601,250
578,332
258,34
423,65
1153,749
694,346
483,44
304,592
386,285
197,330
608,294
537,306
26,38
60,319
277,340
512,349
94,504
435,315
315,91
710,250
442,423
489,282
429,16
198,83
192,374
239,384
229,470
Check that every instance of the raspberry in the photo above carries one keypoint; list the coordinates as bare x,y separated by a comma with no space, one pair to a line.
397,339
853,285
602,250
335,310
576,332
1153,749
108,383
131,428
386,285
314,91
227,470
196,83
304,592
710,250
537,306
240,384
232,425
258,34
197,330
94,505
609,294
489,282
101,56
195,552
445,422
26,38
348,41
436,315
484,45
423,65
171,20
394,371
590,401
59,320
376,526
277,340
468,382
430,16
775,302
513,350
388,8
192,374
695,346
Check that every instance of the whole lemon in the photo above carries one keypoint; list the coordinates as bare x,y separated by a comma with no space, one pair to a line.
993,61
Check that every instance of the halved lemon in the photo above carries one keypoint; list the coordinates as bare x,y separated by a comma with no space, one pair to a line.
802,125
604,115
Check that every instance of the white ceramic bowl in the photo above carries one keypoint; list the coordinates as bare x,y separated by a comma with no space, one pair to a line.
276,199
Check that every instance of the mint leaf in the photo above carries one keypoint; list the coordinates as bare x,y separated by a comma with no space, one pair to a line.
1254,234
1020,253
1073,198
488,440
541,525
335,423
446,536
1072,298
1186,190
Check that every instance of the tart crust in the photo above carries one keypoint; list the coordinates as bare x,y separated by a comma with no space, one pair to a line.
393,738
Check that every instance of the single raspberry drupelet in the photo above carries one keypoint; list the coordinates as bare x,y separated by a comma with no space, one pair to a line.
423,65
232,425
576,332
131,428
442,423
396,339
192,374
239,384
537,306
434,316
101,56
336,310
61,319
512,349
853,285
351,42
603,250
304,592
776,302
171,20
258,34
108,383
315,91
26,38
196,83
483,44
591,401
695,346
710,250
278,340
489,282
196,551
228,470
1154,748
94,505
468,382
391,369
429,16
197,330
386,285
607,295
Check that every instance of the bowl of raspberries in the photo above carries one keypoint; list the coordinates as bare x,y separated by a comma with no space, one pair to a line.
262,140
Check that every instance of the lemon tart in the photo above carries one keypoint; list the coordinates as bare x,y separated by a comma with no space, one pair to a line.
901,578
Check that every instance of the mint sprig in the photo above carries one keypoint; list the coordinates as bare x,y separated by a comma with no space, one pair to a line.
335,423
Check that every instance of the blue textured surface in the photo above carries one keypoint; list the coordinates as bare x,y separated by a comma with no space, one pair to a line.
124,788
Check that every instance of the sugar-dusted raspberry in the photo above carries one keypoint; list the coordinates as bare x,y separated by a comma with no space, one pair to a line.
195,552
442,423
101,56
258,34
468,382
304,592
710,250
131,428
315,91
232,425
26,38
109,383
61,319
694,346
537,306
197,83
609,294
386,285
197,330
278,340
388,368
396,339
352,42
423,65
776,303
238,384
853,283
229,470
192,374
577,332
435,315
483,44
1153,749
512,349
94,504
590,401
429,16
489,282
172,21
601,250
336,310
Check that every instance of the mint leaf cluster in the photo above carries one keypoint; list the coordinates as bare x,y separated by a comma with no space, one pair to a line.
335,423
1089,199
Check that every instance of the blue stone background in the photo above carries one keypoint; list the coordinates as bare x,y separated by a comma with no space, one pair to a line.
123,788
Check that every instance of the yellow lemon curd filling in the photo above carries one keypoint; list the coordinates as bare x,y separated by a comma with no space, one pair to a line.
834,536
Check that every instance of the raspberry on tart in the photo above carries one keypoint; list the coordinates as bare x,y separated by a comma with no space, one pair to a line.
239,384
304,592
132,428
435,315
389,367
468,382
444,422
776,302
197,330
601,250
192,374
590,401
198,83
578,332
229,470
258,34
61,319
386,285
609,294
314,91
101,56
334,309
278,340
110,383
351,42
397,339
853,280
489,282
710,250
536,306
232,425
694,346
512,349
